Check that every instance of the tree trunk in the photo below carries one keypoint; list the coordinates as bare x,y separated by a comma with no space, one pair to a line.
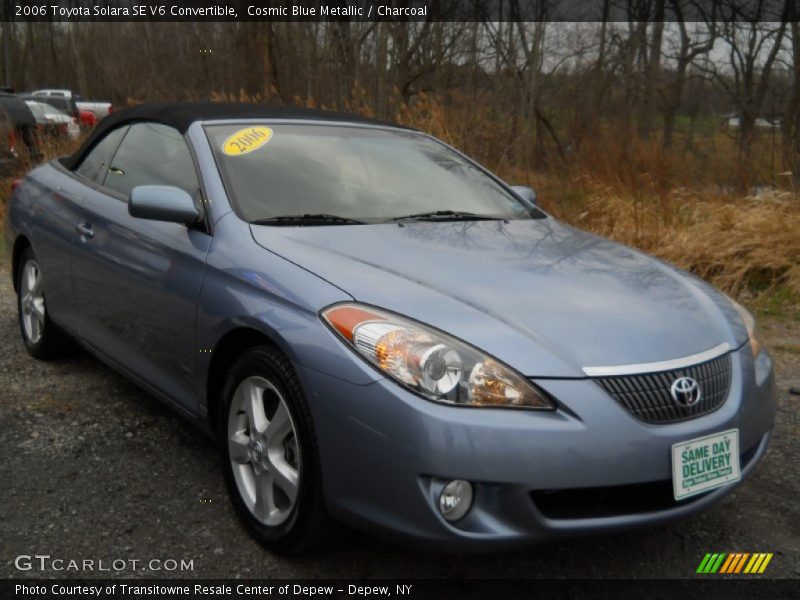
267,65
381,58
673,104
594,108
83,87
791,123
651,82
747,130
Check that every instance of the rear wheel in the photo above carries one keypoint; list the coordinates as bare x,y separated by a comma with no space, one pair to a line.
43,339
269,453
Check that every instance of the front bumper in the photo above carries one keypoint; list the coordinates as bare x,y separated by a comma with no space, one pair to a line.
385,454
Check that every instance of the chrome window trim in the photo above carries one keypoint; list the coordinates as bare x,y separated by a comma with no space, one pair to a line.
290,121
664,365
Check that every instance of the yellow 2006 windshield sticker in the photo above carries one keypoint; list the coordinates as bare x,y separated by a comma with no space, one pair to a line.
246,140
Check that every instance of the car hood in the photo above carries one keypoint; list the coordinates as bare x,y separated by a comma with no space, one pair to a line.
543,296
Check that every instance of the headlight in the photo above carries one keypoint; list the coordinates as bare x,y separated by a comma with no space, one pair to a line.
750,325
431,363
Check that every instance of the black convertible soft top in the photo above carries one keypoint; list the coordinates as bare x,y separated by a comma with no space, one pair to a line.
181,115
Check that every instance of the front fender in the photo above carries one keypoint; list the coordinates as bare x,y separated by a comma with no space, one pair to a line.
246,286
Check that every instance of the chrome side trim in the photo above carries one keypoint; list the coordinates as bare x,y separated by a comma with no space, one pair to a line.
664,365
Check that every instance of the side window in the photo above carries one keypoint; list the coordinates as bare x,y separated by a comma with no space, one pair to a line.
96,163
58,103
152,154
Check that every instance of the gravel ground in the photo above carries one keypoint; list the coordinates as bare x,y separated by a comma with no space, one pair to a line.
91,467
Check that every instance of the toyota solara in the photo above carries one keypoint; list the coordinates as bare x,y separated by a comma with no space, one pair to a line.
379,332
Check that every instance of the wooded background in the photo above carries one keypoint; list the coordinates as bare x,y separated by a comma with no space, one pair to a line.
545,87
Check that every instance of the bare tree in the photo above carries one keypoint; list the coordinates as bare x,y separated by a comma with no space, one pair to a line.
652,77
791,120
689,49
753,45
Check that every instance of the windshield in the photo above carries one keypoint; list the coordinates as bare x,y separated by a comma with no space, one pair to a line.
37,110
45,112
352,173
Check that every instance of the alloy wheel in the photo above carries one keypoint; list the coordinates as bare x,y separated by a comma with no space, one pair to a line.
263,450
32,302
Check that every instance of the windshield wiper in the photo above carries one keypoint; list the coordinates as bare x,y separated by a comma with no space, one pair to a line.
447,215
308,219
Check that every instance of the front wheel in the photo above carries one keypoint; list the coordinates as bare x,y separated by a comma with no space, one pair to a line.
270,455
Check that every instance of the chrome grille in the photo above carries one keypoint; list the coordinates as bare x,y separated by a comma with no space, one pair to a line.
647,396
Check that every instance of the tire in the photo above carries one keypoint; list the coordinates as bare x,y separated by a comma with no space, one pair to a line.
262,462
43,339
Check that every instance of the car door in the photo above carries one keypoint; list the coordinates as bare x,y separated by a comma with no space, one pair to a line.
137,280
56,224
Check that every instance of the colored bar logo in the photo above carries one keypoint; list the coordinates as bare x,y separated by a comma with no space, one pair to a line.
734,563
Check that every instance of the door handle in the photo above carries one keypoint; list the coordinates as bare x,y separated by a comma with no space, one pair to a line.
85,230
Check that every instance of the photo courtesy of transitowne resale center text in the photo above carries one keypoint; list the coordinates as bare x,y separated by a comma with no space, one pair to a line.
403,298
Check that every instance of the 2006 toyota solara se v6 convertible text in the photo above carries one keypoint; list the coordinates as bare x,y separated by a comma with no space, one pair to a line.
379,332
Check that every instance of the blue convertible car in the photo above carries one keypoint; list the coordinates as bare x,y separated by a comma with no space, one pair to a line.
378,331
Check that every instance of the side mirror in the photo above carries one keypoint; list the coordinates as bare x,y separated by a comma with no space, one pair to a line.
163,203
525,193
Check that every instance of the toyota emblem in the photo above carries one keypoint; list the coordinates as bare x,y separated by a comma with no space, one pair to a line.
685,391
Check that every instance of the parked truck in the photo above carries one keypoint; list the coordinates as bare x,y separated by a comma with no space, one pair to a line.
100,109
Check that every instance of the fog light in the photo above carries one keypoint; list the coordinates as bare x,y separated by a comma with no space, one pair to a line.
455,499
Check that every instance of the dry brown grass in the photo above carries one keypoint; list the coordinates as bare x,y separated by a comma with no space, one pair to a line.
752,244
746,246
5,192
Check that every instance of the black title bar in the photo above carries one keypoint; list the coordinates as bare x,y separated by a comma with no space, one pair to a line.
79,11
